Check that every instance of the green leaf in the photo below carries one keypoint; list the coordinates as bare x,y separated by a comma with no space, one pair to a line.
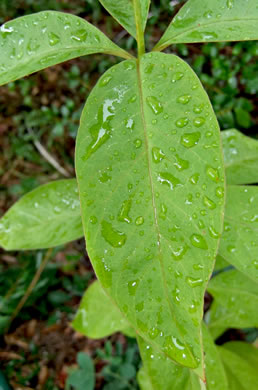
241,362
220,263
235,301
239,242
97,316
123,11
158,372
34,42
84,377
43,218
153,202
241,157
212,21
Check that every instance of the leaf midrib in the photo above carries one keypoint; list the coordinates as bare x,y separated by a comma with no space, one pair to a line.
146,142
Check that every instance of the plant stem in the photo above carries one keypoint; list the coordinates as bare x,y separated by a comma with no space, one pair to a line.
32,285
139,30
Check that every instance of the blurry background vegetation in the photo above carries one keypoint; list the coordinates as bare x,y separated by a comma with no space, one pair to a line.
40,350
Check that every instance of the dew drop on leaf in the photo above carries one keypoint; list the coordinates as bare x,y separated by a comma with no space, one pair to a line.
154,104
188,140
198,241
114,237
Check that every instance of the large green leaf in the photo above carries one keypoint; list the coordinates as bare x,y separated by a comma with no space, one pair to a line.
45,217
235,301
212,21
97,316
160,372
241,157
241,362
239,243
151,182
34,42
123,11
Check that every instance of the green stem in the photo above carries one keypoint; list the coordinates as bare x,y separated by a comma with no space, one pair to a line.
139,30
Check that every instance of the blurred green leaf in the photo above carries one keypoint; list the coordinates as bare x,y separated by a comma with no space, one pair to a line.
235,301
240,361
45,217
241,157
84,377
97,316
239,241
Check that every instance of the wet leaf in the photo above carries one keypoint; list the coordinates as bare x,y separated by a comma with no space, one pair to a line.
43,218
212,21
241,157
239,242
123,12
235,301
152,204
159,372
240,361
34,42
97,316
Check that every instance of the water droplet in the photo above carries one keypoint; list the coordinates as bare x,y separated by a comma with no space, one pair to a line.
157,155
231,248
79,35
101,131
54,39
155,105
209,203
169,180
220,192
149,68
230,4
213,233
138,143
198,122
184,99
177,76
114,237
198,108
132,287
179,252
139,221
105,80
198,241
188,140
181,164
194,178
213,174
123,215
182,122
93,219
194,282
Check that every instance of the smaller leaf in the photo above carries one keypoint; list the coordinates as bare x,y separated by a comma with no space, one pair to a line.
43,218
241,362
34,42
239,241
98,316
241,157
235,301
84,377
123,12
212,21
